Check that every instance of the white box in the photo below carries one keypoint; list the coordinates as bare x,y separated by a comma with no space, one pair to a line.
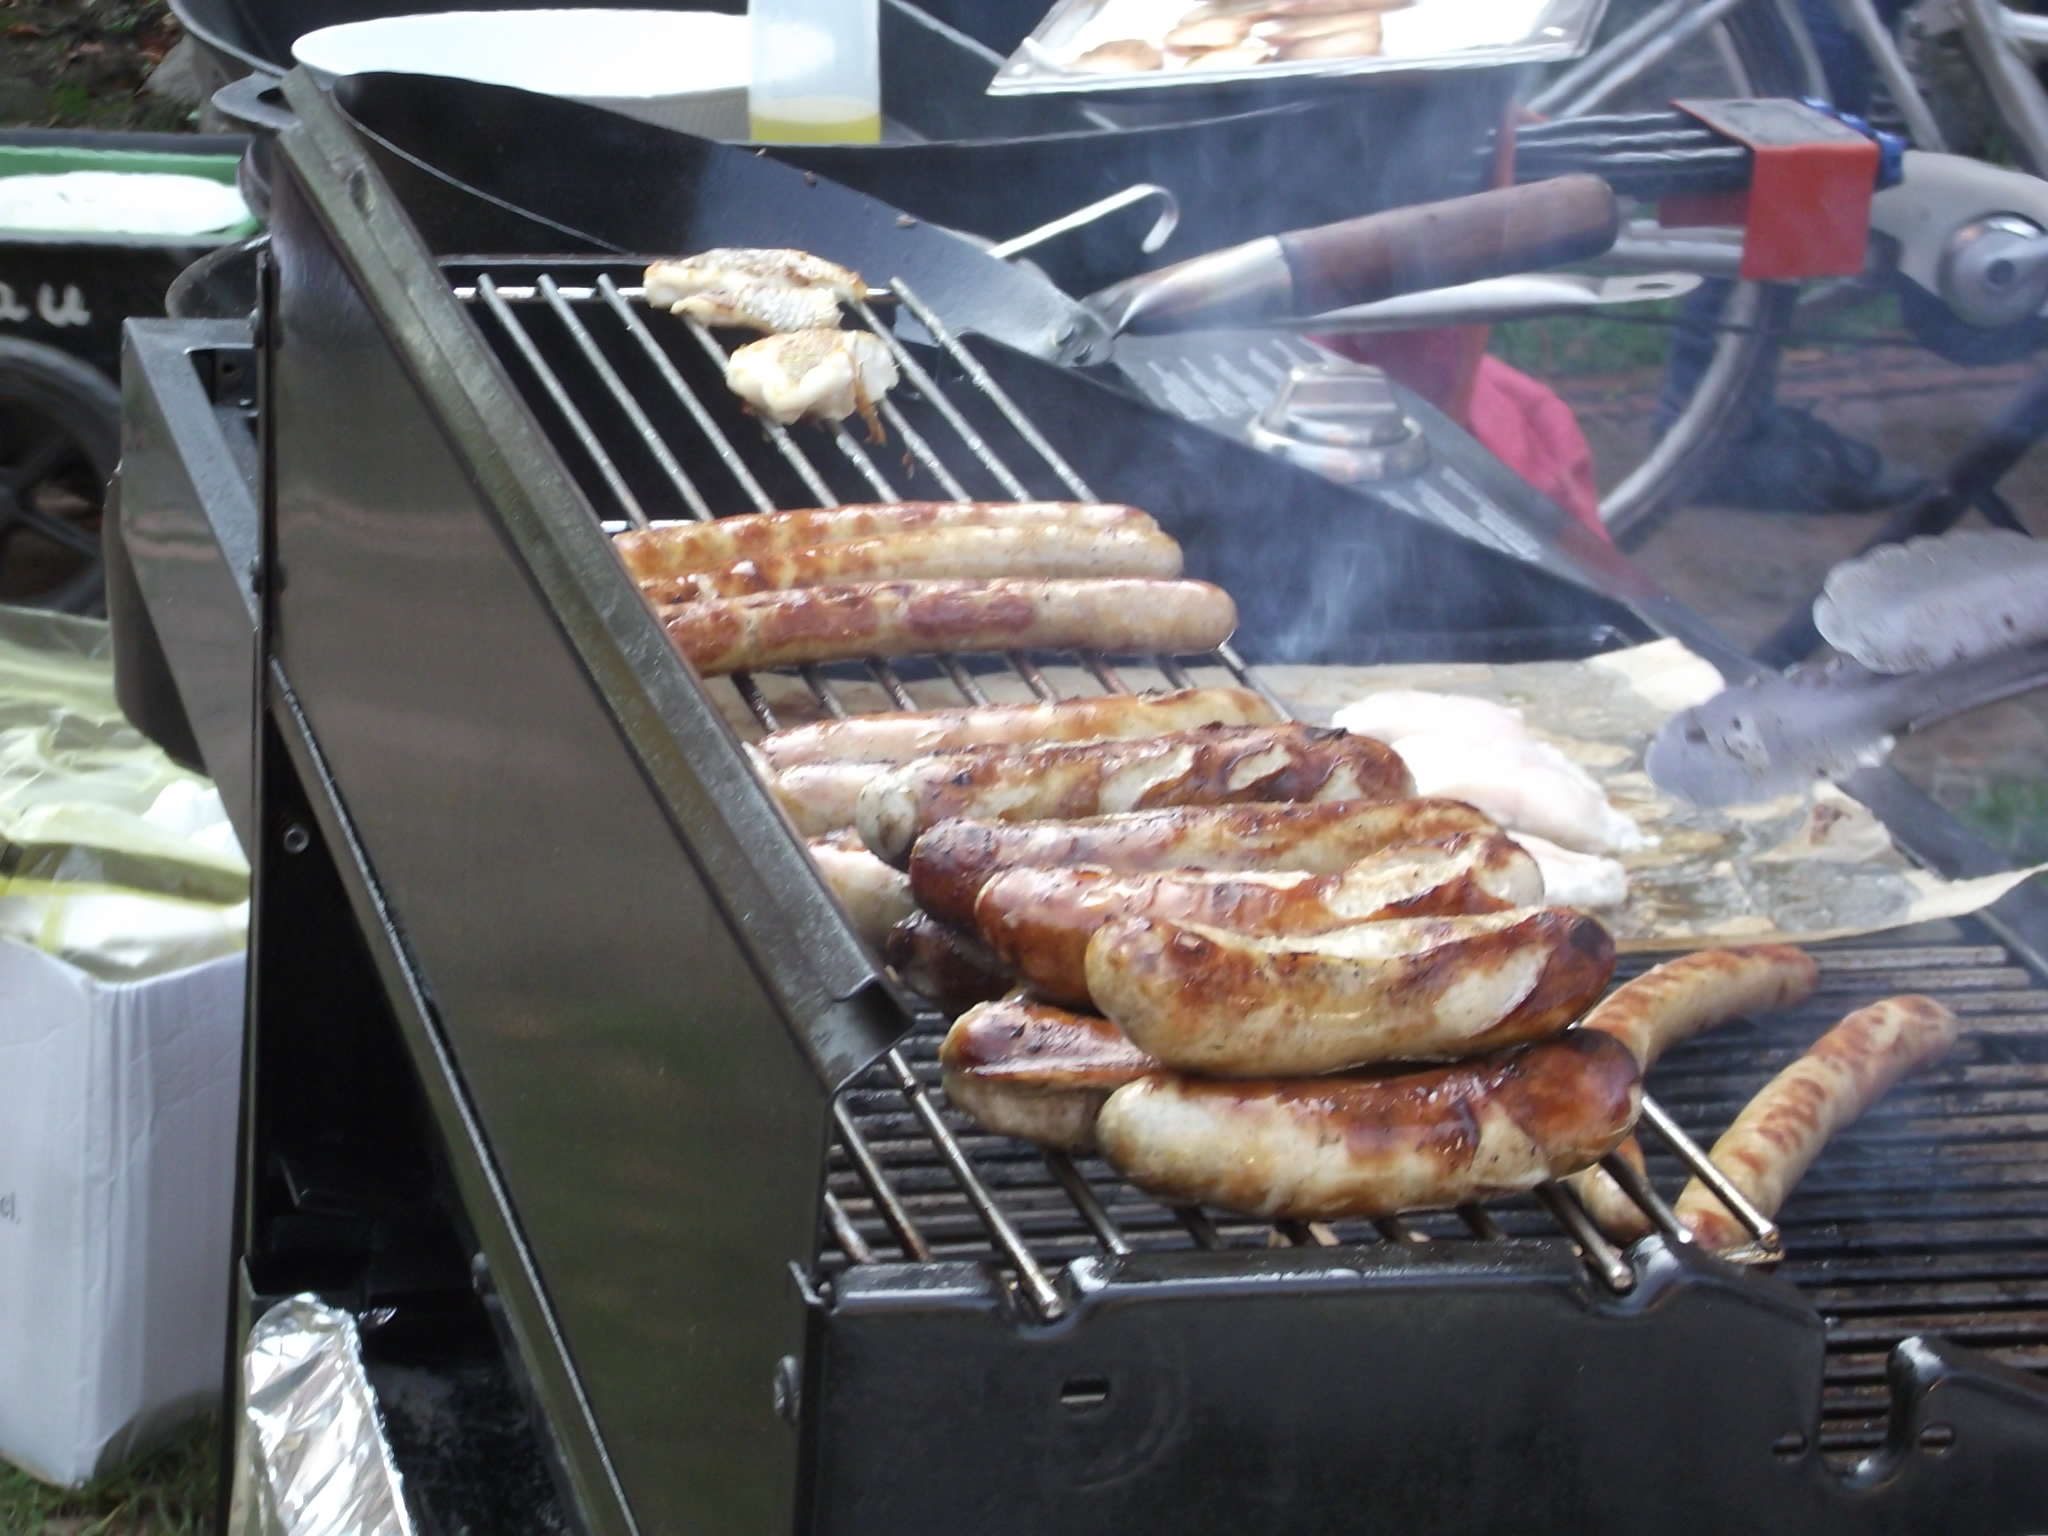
118,1106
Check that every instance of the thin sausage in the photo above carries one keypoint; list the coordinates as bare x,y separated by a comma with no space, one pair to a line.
1040,920
1023,1069
950,863
820,798
1700,991
1215,765
681,548
1242,1005
1039,551
897,738
1673,1002
908,618
1323,1148
875,896
1783,1129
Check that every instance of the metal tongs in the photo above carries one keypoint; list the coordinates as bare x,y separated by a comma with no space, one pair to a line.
1927,630
1297,279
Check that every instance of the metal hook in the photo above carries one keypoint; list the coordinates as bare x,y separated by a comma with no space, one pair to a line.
1161,231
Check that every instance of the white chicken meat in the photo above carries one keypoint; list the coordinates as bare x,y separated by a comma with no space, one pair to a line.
762,290
827,375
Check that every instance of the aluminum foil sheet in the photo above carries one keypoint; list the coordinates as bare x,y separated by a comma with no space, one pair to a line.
310,1455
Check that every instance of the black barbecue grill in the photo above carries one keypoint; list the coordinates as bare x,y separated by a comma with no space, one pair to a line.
563,1065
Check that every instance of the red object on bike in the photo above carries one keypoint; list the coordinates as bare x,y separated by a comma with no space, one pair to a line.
1528,427
1807,210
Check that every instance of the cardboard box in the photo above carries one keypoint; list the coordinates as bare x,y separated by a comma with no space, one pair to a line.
118,1105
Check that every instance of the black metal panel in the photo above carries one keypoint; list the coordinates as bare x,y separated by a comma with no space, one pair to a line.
1380,1390
548,804
189,527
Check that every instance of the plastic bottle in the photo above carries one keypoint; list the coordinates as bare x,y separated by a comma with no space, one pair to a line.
817,71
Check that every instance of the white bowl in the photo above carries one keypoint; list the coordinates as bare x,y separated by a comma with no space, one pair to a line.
682,69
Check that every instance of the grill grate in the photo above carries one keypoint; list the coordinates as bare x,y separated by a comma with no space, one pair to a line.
651,433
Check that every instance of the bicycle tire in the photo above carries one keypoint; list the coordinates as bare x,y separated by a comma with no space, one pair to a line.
86,406
1753,321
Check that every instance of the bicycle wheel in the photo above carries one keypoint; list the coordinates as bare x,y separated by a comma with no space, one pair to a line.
1644,57
60,436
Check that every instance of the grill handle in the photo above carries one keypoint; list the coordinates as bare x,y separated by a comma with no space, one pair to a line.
1358,261
1439,245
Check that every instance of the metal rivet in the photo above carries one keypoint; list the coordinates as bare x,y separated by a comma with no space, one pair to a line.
1080,1394
788,1390
1937,1438
1789,1447
297,839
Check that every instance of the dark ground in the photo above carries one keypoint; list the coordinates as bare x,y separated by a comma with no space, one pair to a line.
82,64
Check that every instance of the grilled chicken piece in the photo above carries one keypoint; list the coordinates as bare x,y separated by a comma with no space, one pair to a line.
763,290
1124,55
1413,989
951,863
1328,1147
1023,1069
827,375
1040,920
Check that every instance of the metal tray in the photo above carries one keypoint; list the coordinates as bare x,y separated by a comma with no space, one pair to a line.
1418,38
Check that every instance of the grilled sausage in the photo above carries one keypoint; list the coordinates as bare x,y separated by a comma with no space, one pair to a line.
1241,1005
1035,551
897,738
1212,766
1783,1129
681,548
1670,1003
1039,921
1699,991
1322,1148
875,896
1023,1069
906,618
953,970
820,797
950,864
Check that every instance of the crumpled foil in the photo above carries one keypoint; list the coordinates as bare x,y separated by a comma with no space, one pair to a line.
310,1455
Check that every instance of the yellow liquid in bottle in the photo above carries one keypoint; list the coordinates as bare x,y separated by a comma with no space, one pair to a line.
815,120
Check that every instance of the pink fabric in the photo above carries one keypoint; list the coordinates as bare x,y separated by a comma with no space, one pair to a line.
1531,430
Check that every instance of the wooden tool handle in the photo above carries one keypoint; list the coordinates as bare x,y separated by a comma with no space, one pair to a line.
1438,245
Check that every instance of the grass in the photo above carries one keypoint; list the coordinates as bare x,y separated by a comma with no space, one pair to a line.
2013,814
82,64
167,1493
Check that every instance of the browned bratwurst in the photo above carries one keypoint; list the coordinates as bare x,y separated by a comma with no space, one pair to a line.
875,896
1215,765
1023,1069
898,737
1039,921
1783,1129
681,548
1321,1148
1412,989
908,618
951,969
950,863
1037,551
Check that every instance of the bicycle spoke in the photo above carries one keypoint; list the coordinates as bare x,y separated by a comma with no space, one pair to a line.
44,454
57,530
